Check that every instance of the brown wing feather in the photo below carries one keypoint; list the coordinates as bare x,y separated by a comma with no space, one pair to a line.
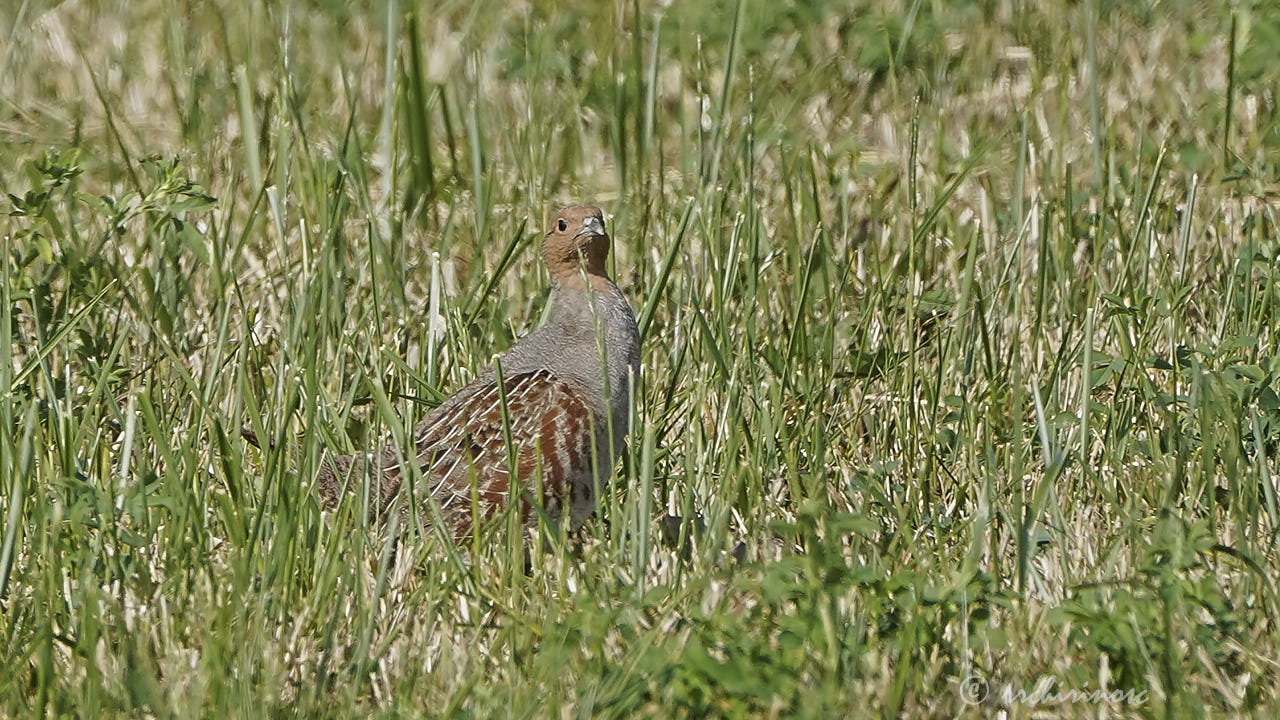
461,449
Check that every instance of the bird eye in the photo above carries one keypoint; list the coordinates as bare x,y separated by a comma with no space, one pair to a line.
561,225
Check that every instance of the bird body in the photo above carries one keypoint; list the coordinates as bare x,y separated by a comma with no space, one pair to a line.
564,400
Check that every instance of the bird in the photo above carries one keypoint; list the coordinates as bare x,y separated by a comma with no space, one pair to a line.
567,389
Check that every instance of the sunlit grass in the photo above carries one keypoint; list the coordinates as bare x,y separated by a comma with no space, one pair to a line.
958,355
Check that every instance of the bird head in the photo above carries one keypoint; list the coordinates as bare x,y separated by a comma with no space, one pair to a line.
577,241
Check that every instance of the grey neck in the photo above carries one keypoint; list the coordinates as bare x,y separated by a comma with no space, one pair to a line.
581,322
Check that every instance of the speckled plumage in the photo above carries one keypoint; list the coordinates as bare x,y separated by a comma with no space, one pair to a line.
567,388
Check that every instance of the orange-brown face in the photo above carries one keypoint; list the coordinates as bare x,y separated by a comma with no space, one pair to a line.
576,233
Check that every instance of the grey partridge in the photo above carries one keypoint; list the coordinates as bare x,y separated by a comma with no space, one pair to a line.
567,389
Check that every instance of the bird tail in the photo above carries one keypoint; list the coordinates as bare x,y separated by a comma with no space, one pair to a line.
250,436
328,478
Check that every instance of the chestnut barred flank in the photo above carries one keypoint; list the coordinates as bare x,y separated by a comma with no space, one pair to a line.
463,453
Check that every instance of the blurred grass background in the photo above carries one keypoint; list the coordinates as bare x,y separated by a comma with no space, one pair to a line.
959,354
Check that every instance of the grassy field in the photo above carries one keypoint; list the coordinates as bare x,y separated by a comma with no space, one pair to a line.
961,392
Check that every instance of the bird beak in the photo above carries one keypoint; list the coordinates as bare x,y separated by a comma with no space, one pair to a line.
592,226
